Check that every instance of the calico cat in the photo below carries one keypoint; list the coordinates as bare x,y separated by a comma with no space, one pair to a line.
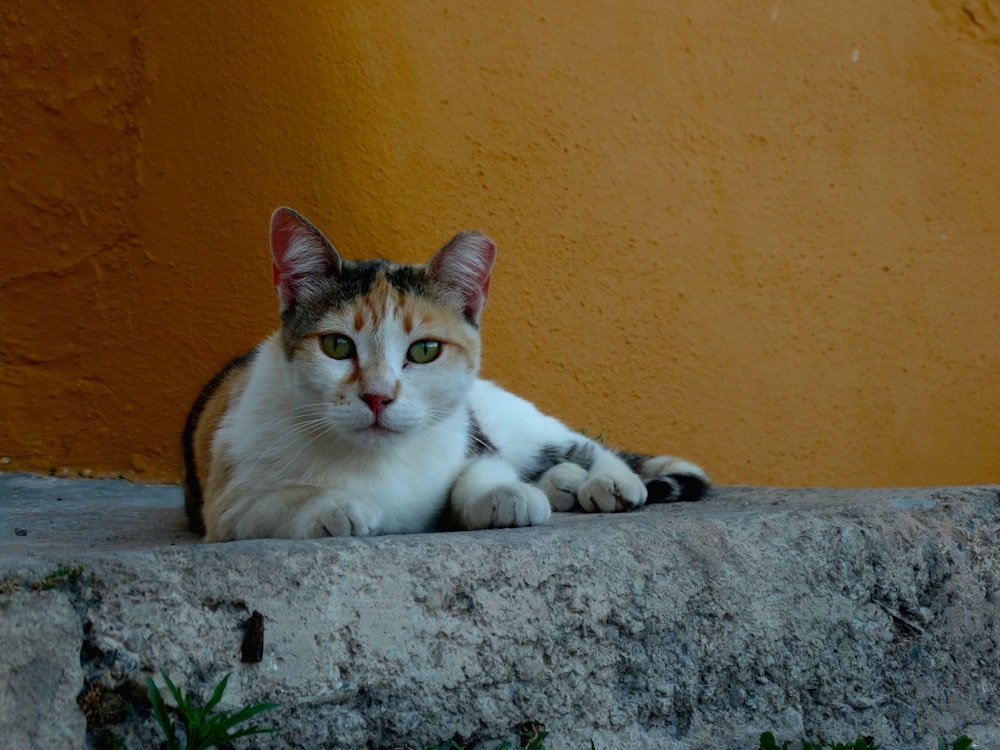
363,414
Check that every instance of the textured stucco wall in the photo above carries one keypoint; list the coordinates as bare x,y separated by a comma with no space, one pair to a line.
764,236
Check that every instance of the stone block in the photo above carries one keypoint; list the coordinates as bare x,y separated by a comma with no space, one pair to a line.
807,613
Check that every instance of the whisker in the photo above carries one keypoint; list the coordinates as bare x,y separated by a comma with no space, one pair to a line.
310,422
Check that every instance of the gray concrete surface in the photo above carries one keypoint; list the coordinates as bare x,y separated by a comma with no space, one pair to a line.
807,613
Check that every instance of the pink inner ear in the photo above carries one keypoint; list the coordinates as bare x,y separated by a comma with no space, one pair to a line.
463,266
277,276
476,303
301,253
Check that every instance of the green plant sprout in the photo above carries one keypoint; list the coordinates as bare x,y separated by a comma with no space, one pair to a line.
202,726
861,743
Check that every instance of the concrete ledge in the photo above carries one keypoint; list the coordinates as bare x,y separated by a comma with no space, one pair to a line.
802,612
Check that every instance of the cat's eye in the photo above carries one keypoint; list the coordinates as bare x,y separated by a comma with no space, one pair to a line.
336,346
424,351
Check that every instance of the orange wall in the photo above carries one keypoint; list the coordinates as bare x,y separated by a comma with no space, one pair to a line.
764,236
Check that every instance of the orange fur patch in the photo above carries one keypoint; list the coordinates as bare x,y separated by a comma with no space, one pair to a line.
381,298
429,319
355,376
212,473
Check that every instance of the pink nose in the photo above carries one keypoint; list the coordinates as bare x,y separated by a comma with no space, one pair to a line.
376,402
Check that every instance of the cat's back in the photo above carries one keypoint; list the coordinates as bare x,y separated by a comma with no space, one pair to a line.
202,424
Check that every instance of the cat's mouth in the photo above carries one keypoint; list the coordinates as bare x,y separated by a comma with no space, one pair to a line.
380,430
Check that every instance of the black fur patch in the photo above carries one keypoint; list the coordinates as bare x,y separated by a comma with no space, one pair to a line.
411,280
662,490
634,460
692,488
479,442
675,488
579,453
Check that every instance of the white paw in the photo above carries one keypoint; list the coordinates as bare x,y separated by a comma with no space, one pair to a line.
340,517
507,505
560,485
611,492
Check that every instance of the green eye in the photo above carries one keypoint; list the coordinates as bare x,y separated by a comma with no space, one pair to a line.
422,352
336,346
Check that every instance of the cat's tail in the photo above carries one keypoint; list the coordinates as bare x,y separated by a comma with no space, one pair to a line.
668,479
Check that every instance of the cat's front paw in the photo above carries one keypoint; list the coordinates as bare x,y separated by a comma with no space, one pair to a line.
340,517
671,480
506,506
612,492
561,483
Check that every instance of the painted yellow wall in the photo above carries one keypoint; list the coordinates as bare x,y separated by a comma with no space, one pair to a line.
762,235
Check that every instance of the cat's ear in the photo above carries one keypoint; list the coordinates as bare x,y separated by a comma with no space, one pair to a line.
462,267
302,256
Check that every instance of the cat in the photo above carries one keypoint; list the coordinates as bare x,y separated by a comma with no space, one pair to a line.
364,414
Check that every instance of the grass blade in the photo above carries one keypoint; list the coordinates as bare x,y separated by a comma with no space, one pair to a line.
204,727
178,696
247,731
217,694
160,714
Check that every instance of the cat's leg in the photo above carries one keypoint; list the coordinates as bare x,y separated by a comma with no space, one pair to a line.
607,480
489,494
544,450
560,484
669,479
611,486
290,512
607,486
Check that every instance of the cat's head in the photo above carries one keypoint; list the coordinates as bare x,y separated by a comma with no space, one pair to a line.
378,350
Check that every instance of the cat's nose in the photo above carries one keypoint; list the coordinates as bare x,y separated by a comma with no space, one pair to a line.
377,401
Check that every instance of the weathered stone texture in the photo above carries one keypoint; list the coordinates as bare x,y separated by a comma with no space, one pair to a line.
40,674
801,612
